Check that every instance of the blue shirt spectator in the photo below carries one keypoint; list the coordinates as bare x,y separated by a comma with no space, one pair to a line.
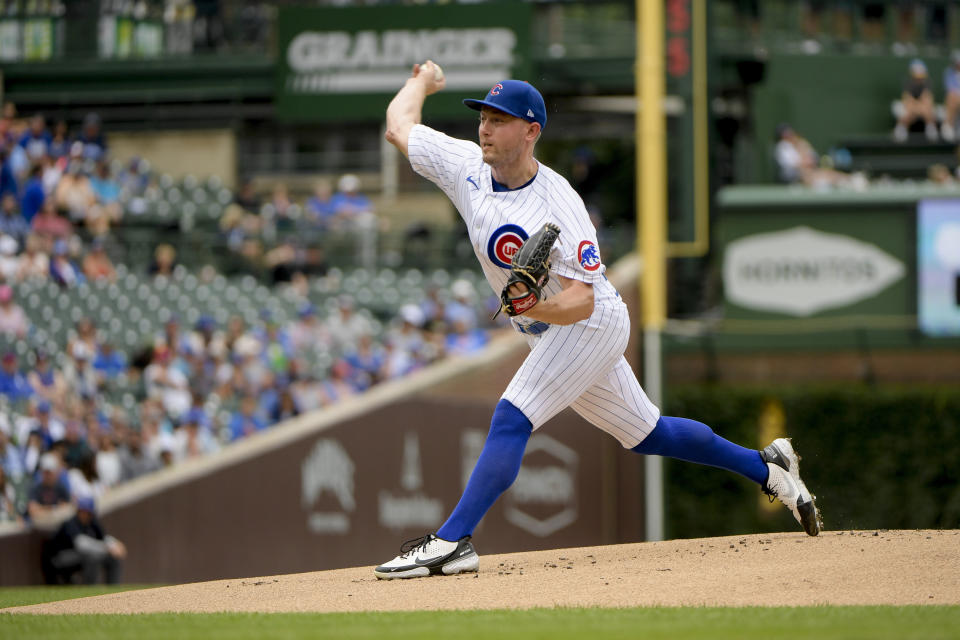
463,341
13,383
36,141
247,420
348,201
33,194
109,362
11,220
92,138
320,207
106,188
8,181
60,142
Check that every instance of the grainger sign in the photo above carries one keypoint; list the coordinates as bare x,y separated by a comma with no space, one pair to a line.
346,63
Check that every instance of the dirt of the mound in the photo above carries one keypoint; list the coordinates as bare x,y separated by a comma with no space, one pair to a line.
838,567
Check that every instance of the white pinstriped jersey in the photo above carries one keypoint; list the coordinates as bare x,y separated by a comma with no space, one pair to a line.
579,365
498,222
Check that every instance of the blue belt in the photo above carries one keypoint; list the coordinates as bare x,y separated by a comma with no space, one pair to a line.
534,329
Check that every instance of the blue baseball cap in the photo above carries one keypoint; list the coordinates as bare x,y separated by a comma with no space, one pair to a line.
514,97
86,503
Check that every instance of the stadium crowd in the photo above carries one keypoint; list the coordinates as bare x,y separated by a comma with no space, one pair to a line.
197,386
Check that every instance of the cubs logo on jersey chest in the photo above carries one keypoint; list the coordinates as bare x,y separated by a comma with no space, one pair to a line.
504,242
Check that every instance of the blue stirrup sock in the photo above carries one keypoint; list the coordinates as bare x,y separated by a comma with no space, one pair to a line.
496,469
696,442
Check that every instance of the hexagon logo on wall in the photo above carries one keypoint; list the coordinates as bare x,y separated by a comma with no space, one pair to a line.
543,500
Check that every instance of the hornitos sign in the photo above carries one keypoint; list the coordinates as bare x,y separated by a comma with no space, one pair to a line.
802,271
344,63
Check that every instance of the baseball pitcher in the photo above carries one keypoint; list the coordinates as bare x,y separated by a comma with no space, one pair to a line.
538,250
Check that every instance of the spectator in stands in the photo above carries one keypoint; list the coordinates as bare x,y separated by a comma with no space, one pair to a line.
951,102
308,333
59,142
50,226
247,420
92,138
63,270
320,208
134,459
406,341
463,339
109,363
46,381
461,307
81,544
348,202
283,260
167,384
34,193
916,104
50,496
36,141
11,460
8,180
13,320
338,385
164,260
13,383
86,333
74,193
8,123
34,264
286,406
12,221
347,326
42,423
8,495
31,452
78,372
797,161
366,361
107,210
247,197
134,179
109,467
9,260
97,265
397,362
277,348
83,478
191,440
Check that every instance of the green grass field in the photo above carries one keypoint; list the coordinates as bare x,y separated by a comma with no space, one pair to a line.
815,623
20,596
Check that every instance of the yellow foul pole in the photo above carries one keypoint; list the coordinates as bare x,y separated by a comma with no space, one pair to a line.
651,227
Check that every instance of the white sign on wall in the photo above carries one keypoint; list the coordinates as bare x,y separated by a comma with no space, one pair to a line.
372,61
802,271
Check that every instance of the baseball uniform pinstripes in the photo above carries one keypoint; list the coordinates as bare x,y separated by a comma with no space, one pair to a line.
565,362
618,405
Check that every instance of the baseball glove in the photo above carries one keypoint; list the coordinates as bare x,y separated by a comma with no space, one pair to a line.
531,266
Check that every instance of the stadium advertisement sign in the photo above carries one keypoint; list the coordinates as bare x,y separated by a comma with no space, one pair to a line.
346,63
809,266
938,265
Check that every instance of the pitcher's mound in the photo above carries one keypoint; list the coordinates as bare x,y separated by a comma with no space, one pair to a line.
781,569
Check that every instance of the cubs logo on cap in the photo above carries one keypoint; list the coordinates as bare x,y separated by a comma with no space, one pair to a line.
516,98
588,255
504,243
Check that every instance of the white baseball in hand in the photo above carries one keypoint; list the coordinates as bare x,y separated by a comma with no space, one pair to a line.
437,73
